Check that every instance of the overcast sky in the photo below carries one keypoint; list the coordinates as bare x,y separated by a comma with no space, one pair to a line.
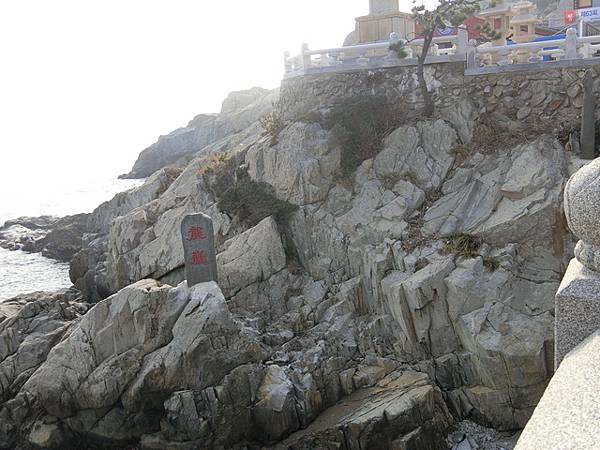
85,85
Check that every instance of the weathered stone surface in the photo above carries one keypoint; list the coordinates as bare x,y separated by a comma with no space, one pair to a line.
577,308
53,237
251,257
239,111
504,197
130,348
176,145
566,416
380,417
88,269
588,118
300,167
582,197
356,289
421,154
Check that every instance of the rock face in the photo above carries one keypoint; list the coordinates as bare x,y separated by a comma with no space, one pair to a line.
53,237
240,111
176,368
30,326
377,312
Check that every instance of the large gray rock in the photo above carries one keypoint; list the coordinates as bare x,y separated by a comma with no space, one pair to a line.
251,257
421,154
240,111
88,269
381,417
132,350
53,237
300,166
171,148
507,197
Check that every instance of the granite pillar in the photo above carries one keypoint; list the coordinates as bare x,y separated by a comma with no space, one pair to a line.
578,298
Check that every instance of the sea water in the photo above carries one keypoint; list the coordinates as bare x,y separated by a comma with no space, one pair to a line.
21,272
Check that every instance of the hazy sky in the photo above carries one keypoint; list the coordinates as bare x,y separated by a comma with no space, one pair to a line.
85,85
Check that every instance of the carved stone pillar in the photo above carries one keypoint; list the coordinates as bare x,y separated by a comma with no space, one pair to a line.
578,298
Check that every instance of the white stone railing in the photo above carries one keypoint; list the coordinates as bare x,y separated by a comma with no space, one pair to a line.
375,55
481,59
486,58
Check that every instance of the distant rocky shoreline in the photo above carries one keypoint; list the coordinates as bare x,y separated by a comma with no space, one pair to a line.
57,238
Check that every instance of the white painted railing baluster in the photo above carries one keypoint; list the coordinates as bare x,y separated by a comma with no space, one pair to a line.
462,42
472,58
571,44
287,62
306,59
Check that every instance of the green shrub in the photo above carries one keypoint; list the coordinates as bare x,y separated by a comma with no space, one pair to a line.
399,49
252,201
272,123
359,125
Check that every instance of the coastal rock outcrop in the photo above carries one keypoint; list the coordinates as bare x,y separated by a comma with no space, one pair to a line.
375,307
30,326
175,368
236,123
458,314
53,237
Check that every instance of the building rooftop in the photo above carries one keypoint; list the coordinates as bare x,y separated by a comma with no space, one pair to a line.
524,18
500,9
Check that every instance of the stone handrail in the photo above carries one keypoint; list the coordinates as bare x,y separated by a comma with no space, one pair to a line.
480,59
374,55
489,59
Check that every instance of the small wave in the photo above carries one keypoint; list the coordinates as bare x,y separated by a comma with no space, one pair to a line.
21,273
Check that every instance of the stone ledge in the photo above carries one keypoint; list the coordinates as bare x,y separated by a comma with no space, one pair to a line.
533,67
577,308
568,416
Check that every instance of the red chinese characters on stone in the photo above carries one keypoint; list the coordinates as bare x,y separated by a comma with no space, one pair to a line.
199,258
196,234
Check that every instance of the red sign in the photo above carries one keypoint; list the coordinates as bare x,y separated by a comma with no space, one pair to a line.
570,17
199,258
196,234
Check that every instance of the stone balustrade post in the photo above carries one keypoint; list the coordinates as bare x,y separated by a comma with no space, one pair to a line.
306,61
392,56
472,54
571,44
462,42
287,62
578,297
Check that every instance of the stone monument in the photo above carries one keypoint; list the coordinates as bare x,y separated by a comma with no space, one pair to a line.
384,19
378,7
199,249
578,297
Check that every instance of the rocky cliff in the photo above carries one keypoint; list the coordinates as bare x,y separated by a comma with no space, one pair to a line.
236,123
371,305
